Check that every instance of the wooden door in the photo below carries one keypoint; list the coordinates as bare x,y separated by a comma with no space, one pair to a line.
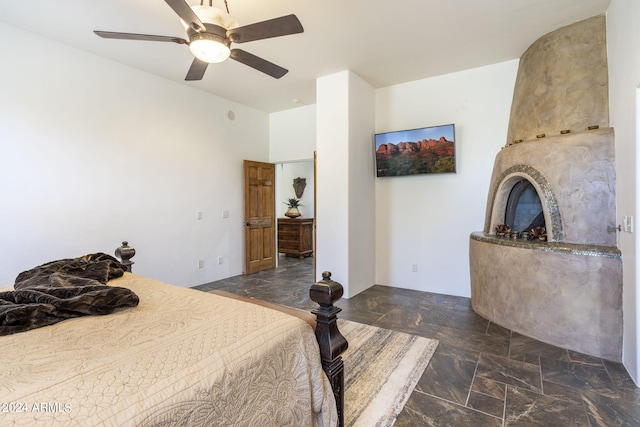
259,216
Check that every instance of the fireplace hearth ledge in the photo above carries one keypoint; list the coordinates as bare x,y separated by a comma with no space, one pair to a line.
572,248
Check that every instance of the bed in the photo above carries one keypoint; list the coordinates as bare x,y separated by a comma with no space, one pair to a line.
180,357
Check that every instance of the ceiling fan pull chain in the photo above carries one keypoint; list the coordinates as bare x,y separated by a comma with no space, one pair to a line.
226,5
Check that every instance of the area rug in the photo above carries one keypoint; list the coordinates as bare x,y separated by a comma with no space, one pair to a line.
382,368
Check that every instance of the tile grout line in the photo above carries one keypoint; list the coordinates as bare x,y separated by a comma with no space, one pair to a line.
473,378
504,406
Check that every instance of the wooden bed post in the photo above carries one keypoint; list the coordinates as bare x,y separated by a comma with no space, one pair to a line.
332,343
125,253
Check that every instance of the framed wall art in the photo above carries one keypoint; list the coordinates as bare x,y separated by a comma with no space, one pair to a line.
426,150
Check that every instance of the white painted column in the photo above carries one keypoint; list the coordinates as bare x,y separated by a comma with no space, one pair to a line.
345,205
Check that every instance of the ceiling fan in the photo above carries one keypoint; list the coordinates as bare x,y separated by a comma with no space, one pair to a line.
211,31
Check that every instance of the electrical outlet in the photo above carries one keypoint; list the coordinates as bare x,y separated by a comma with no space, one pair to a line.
219,260
201,263
199,215
225,214
414,268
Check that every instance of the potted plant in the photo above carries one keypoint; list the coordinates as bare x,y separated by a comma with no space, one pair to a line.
292,211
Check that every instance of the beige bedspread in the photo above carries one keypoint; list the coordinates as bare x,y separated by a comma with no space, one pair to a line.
182,357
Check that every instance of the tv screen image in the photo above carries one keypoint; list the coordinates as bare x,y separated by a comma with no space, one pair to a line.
416,151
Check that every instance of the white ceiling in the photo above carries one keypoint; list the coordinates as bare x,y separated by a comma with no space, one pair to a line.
384,42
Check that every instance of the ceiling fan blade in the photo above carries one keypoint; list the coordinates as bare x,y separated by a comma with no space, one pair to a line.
258,63
184,11
285,25
197,69
132,36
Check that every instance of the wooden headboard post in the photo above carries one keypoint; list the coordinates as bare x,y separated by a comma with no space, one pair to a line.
124,253
332,343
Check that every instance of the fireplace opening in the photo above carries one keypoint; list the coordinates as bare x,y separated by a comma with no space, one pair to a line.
524,209
522,201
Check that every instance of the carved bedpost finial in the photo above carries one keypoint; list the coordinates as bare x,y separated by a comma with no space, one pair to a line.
125,253
326,291
332,343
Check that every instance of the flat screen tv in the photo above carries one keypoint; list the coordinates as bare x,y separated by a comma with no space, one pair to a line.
425,150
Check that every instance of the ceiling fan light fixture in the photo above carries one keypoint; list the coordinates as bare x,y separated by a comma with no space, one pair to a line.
209,47
210,33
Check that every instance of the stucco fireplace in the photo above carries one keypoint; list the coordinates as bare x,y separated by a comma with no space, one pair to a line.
567,289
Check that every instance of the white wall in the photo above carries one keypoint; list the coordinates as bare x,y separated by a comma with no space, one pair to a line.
623,46
345,210
292,134
285,174
94,153
292,141
426,219
362,244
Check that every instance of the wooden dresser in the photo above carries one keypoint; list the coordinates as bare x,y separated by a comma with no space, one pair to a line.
295,236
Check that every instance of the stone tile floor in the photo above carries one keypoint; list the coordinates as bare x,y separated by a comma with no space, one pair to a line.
481,374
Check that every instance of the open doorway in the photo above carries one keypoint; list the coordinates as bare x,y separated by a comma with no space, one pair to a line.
301,171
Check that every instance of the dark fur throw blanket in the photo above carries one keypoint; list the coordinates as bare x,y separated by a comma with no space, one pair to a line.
63,289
